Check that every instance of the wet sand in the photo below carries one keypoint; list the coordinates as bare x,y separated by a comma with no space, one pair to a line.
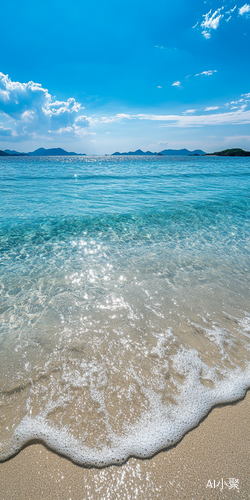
219,448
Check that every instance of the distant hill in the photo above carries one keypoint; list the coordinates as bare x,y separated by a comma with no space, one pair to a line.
165,152
43,152
138,152
181,152
53,152
3,153
11,152
231,152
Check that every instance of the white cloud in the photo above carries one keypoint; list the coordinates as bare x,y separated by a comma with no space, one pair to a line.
28,115
30,110
72,130
244,10
240,116
211,21
4,95
234,117
157,144
237,138
207,73
237,102
159,87
231,10
211,108
189,111
112,119
206,34
5,132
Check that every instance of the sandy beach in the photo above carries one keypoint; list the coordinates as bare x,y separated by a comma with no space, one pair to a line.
218,449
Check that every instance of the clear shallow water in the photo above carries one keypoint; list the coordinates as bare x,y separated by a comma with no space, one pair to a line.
124,300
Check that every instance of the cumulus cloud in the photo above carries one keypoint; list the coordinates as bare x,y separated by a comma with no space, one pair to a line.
244,10
29,110
176,84
207,73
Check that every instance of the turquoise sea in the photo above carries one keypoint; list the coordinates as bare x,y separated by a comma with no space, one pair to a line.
125,300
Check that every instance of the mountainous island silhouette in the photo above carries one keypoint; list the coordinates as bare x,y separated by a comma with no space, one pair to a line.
165,152
138,152
43,152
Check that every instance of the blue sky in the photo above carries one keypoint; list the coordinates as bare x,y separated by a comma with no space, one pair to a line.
98,77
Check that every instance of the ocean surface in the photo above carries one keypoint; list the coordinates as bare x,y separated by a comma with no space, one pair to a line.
125,301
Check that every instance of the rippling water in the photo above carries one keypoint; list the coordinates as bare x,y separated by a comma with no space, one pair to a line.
125,304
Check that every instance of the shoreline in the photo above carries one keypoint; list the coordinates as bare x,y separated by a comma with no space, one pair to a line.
218,448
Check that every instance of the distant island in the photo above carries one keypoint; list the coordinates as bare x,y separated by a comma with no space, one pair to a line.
41,152
3,153
165,152
138,152
182,152
54,152
230,152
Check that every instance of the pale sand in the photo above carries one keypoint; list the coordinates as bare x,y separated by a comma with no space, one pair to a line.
218,448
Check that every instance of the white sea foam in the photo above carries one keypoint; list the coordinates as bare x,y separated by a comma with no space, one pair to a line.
159,428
